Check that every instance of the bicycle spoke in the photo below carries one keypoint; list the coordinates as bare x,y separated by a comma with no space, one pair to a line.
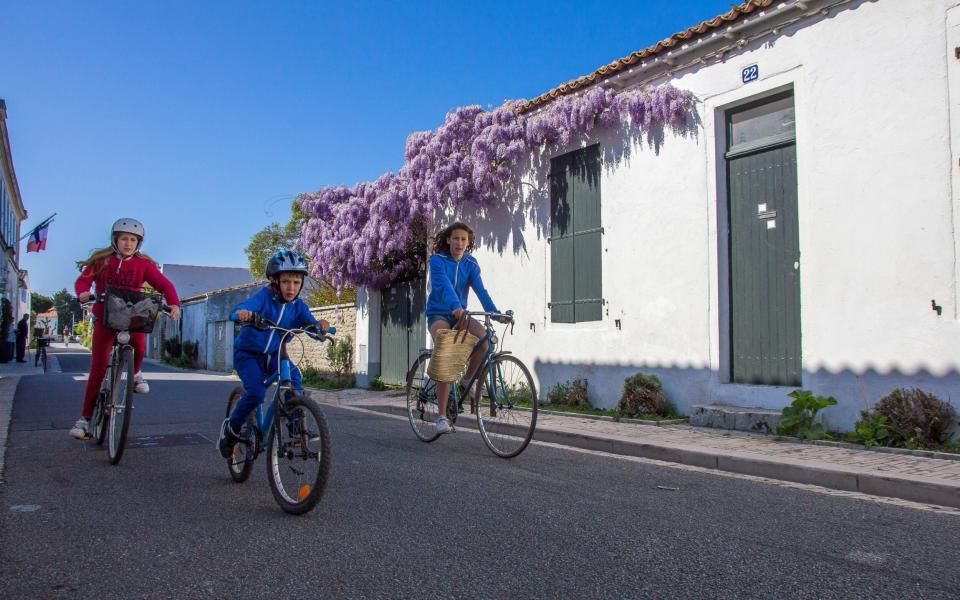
422,407
507,411
299,456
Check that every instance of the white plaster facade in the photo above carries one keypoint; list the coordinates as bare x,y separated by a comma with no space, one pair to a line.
876,90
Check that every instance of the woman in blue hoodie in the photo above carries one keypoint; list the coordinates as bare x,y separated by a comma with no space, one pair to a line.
255,351
453,271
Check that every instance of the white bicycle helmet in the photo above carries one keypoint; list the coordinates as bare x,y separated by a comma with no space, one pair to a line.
126,225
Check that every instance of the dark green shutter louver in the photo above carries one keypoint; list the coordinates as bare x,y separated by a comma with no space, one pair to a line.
576,237
561,242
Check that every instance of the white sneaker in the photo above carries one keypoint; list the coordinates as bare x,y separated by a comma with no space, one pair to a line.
443,425
81,429
140,384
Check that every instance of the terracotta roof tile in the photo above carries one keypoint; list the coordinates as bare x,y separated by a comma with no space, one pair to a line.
621,64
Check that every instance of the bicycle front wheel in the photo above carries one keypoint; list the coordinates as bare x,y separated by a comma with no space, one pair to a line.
299,463
241,462
422,407
122,404
100,418
507,411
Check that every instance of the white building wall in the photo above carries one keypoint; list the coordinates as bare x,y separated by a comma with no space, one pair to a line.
877,221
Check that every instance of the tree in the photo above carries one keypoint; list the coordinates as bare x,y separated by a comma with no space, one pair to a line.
275,237
68,308
40,303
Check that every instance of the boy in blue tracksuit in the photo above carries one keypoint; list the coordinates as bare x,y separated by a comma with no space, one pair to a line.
255,351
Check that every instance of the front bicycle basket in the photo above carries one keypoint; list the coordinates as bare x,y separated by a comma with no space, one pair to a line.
130,311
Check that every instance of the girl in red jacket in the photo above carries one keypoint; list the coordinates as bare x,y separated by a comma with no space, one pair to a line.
122,266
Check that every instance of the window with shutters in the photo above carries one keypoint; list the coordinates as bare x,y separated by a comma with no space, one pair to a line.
576,244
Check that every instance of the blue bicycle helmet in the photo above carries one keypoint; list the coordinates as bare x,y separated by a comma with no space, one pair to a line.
286,261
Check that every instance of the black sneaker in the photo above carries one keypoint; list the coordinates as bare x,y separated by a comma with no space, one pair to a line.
228,439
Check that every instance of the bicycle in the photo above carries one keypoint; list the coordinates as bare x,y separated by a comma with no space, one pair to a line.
292,428
111,412
41,356
505,399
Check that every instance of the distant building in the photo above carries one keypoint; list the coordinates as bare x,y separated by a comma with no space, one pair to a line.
13,285
191,280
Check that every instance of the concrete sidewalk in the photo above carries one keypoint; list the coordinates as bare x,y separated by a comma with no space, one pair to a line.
920,478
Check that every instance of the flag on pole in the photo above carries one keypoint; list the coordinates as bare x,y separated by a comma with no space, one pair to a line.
38,239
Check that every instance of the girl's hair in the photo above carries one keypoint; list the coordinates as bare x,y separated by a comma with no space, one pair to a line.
101,257
440,243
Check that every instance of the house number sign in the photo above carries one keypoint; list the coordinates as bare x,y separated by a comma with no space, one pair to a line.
751,73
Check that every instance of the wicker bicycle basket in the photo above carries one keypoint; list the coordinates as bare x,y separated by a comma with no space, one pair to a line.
451,349
130,311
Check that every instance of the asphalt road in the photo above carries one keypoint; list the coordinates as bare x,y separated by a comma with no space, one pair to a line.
404,519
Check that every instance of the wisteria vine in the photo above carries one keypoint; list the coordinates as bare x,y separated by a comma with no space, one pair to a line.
374,233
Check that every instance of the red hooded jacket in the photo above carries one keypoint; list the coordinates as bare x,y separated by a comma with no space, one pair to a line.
128,274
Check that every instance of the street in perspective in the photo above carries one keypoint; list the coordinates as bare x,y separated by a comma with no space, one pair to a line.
448,300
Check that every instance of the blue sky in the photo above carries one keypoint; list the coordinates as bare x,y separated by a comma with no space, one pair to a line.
205,119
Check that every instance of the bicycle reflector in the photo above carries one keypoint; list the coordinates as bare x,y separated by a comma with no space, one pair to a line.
123,337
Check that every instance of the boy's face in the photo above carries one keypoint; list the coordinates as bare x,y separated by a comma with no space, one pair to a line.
289,284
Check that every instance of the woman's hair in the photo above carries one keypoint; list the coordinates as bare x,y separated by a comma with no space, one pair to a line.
101,256
440,243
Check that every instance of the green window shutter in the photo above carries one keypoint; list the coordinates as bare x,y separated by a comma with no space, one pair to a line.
561,242
587,235
576,253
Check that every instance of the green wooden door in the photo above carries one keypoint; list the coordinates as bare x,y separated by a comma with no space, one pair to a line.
764,244
402,329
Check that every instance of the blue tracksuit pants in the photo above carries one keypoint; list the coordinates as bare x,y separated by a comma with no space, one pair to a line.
253,369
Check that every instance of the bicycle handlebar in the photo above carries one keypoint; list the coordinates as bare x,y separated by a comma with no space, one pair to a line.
263,324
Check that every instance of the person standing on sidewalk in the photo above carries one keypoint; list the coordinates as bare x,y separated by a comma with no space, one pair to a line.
119,266
22,338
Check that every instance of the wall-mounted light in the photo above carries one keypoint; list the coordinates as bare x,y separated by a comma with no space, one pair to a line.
533,327
617,323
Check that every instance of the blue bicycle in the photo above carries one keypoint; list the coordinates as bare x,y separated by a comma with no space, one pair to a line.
504,396
292,429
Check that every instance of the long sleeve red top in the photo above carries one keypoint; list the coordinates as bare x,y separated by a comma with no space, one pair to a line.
128,274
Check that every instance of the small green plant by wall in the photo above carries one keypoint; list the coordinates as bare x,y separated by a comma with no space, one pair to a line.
643,397
800,418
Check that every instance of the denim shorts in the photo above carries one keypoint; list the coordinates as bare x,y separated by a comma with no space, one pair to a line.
450,320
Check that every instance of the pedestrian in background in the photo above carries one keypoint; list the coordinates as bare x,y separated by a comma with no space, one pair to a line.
22,338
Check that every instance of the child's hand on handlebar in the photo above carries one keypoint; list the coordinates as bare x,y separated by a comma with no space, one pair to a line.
175,313
245,315
84,297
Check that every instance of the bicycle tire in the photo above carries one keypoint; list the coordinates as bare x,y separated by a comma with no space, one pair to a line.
422,407
100,418
301,436
508,427
121,406
240,464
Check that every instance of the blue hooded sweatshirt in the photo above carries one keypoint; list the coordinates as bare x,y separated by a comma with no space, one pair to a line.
266,303
449,282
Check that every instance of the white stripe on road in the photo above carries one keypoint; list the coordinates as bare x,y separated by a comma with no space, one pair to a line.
176,377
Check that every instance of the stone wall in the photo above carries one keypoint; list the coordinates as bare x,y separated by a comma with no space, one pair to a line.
341,316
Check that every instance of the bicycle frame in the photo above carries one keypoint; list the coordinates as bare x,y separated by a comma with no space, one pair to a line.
266,412
486,363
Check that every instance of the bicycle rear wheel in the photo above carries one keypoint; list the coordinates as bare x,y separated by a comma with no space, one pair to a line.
122,405
507,411
100,418
240,463
299,455
422,407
